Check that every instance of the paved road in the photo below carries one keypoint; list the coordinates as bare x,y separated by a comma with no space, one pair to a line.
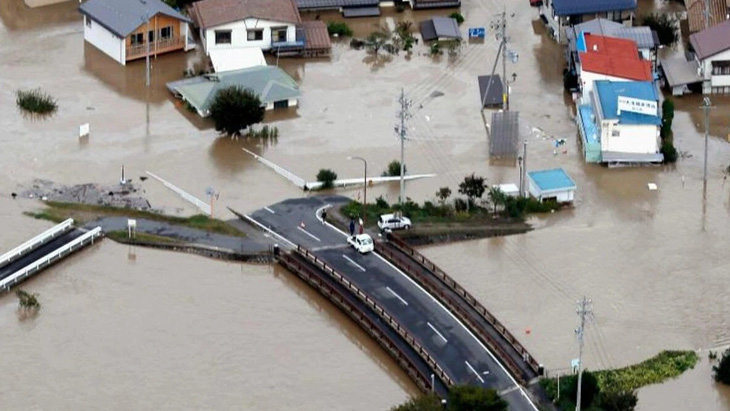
460,354
39,252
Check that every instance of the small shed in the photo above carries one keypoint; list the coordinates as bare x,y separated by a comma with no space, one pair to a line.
440,28
554,184
680,74
510,189
495,90
504,133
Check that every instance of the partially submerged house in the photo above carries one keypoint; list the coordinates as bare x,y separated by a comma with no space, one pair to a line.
273,86
712,53
368,8
127,30
621,123
680,75
551,185
645,38
696,20
571,12
608,58
271,25
440,29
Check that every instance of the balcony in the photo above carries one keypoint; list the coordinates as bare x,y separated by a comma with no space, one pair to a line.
156,47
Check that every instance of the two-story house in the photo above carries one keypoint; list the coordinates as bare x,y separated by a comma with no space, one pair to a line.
712,52
131,29
571,12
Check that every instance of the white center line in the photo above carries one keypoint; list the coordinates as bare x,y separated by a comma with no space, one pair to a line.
308,233
269,210
437,332
474,371
397,296
353,263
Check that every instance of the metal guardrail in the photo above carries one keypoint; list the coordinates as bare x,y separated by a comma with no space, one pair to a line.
470,299
36,241
200,204
407,337
50,258
372,328
298,181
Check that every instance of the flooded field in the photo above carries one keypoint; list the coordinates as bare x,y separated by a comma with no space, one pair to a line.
653,262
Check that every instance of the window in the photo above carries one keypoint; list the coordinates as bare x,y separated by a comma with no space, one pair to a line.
151,36
255,35
137,39
278,34
222,37
721,67
166,33
88,21
615,133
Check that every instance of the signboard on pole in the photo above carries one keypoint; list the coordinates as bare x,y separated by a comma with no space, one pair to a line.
635,105
477,32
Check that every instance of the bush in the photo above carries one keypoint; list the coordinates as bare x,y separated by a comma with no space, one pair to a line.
326,177
458,17
435,49
35,102
667,119
234,109
665,27
339,28
473,187
393,169
721,371
27,301
618,400
444,193
470,397
670,152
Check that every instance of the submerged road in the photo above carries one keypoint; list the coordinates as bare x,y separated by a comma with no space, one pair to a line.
462,356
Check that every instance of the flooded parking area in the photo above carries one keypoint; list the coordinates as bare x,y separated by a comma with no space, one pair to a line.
652,261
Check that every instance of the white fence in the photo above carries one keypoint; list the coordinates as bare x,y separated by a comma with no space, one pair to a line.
298,181
202,205
59,253
36,241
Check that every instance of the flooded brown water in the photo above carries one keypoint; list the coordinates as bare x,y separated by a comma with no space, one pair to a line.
651,261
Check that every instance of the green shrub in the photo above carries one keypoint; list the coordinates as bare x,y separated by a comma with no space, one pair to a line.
339,28
618,400
665,27
670,152
435,49
458,17
27,301
663,366
326,177
35,102
721,371
393,169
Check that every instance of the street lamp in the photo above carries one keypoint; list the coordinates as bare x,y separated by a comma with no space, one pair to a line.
365,181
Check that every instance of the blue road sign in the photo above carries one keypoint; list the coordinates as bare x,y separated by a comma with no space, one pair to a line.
477,32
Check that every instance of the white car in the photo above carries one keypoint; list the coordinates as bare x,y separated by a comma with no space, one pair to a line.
393,222
362,243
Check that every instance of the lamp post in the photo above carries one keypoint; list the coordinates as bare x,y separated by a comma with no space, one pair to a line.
365,181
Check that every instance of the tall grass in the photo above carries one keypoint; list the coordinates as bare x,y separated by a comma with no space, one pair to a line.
35,102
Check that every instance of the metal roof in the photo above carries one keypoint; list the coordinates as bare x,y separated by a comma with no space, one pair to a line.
335,4
711,41
576,7
270,83
495,90
609,91
504,133
555,179
212,13
696,13
122,17
680,71
361,11
440,27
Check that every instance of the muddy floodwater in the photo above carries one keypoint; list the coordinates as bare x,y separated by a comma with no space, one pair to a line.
186,332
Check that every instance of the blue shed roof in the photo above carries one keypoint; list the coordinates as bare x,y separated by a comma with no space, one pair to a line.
550,180
574,7
609,91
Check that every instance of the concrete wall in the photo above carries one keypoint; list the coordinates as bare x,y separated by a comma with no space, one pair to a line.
104,40
563,196
634,138
239,37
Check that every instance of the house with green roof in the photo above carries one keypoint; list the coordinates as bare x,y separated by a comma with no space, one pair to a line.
275,88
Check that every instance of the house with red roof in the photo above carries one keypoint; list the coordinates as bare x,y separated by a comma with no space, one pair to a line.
609,58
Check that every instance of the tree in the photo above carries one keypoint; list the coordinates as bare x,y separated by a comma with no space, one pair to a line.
393,169
721,371
470,397
339,29
424,402
472,187
588,393
665,27
458,17
443,194
234,109
667,118
376,41
618,400
326,177
497,197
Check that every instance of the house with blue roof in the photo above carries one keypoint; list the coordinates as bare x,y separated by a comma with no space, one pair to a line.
571,12
551,185
623,119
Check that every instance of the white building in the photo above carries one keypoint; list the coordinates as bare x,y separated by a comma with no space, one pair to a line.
551,185
712,51
266,24
129,29
626,120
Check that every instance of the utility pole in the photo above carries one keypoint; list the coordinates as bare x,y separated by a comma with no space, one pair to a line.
503,35
404,114
147,40
584,310
706,106
707,14
524,188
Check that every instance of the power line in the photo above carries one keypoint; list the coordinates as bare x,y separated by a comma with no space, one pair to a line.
585,309
404,114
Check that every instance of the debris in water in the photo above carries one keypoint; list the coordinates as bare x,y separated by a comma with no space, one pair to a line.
652,187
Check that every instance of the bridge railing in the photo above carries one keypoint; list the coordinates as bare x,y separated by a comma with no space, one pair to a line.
470,299
402,331
36,241
50,258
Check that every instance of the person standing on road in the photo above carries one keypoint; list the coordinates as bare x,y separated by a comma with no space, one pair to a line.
362,228
324,216
352,226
